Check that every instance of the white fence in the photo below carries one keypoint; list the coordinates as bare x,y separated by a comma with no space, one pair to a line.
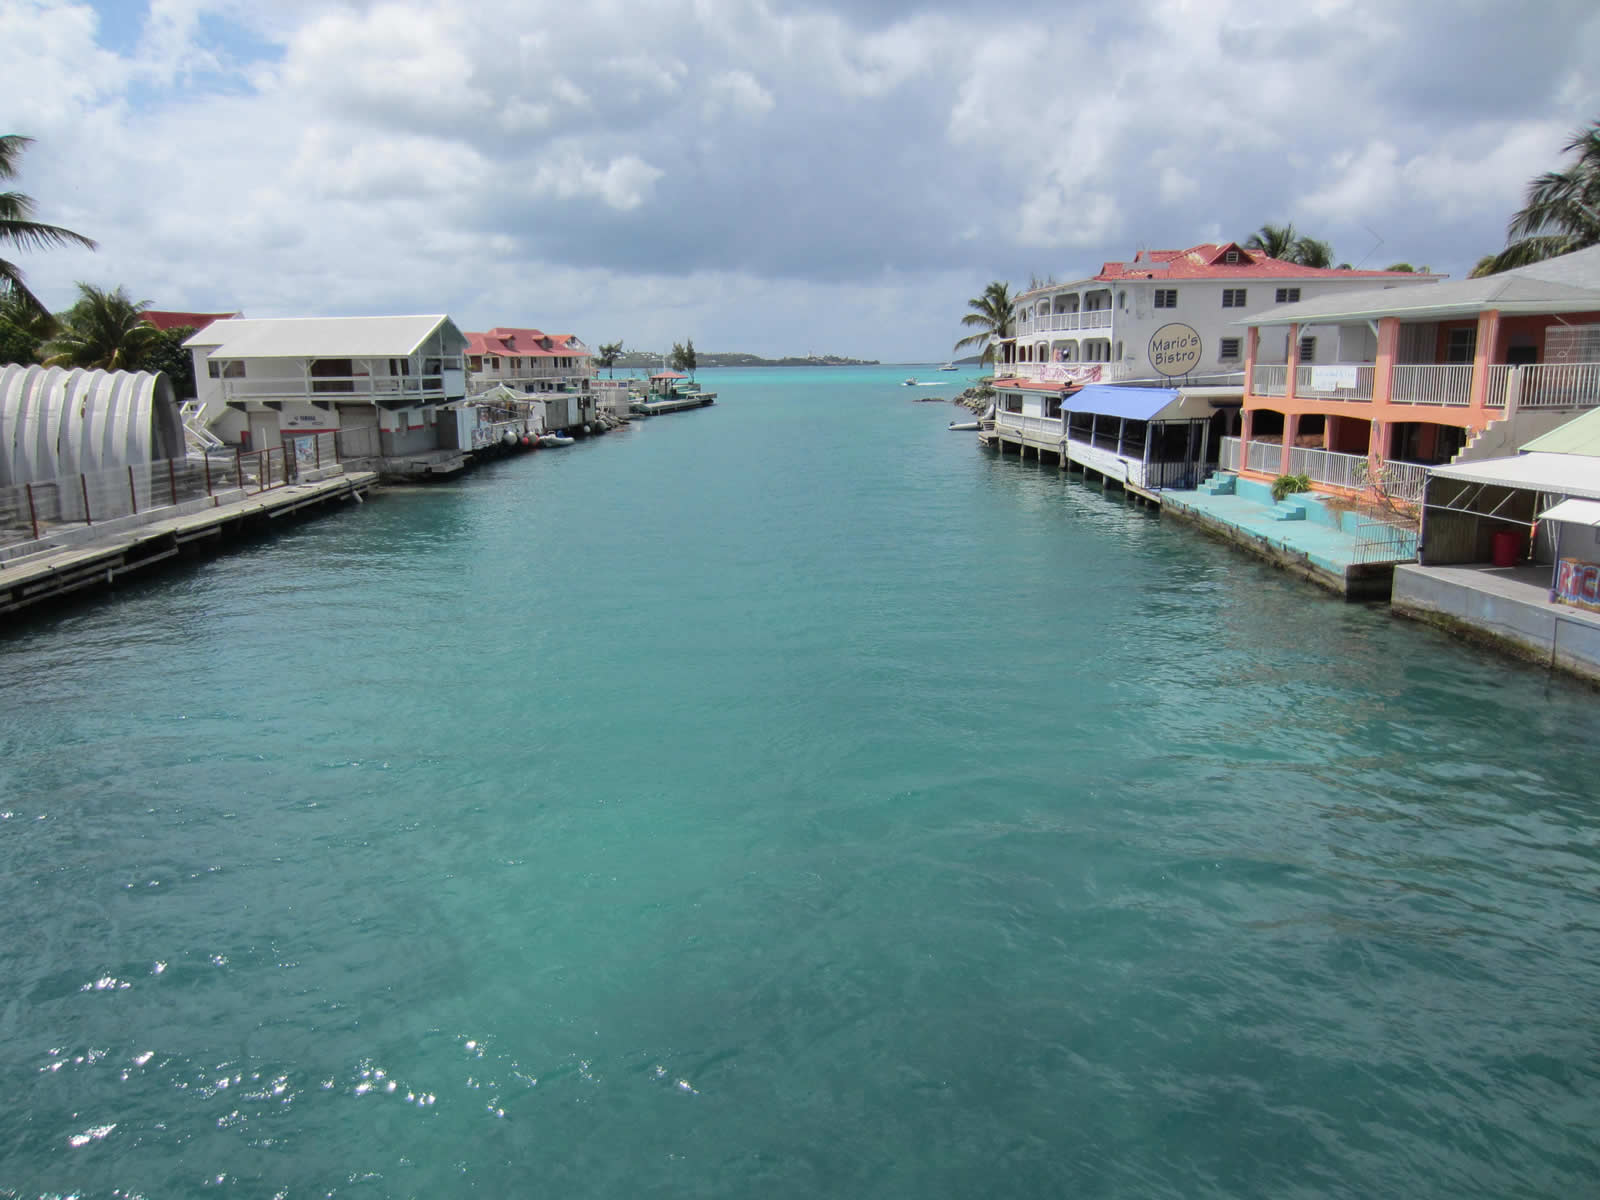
1265,457
1054,372
1099,318
1228,454
1270,379
1041,426
1449,385
1560,385
1324,466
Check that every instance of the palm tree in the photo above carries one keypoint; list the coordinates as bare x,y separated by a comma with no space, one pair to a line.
1562,212
18,227
104,329
607,357
1309,252
992,317
24,330
1282,242
1278,241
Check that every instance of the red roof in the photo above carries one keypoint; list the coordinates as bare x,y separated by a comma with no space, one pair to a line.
668,375
1209,260
526,343
163,320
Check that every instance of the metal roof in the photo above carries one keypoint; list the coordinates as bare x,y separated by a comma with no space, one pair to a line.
324,337
1578,436
1113,400
1579,512
1562,474
1570,283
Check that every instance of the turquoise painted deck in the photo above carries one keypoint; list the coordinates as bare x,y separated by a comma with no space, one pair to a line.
1327,539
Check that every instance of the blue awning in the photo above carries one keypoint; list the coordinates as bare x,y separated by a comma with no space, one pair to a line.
1119,400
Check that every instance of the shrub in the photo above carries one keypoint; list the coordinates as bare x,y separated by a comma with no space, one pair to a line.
1288,485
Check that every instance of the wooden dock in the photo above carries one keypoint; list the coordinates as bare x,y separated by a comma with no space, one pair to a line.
82,561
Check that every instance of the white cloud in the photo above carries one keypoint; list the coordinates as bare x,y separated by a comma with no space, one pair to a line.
623,184
738,93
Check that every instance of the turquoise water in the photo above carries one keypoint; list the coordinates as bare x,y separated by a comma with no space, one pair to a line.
785,799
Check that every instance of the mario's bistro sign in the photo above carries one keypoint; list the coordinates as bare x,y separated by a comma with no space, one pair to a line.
1175,349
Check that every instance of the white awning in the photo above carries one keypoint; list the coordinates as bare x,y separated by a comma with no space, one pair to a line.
1562,474
1579,512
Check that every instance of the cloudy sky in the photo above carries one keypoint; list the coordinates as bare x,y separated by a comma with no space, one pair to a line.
774,177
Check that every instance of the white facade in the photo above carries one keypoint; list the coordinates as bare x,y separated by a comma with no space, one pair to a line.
262,380
1171,315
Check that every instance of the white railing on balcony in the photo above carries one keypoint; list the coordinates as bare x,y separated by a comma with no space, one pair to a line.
1560,385
337,387
1228,454
1263,456
1099,318
1325,466
1054,372
1499,383
1270,379
1334,381
1041,426
1434,383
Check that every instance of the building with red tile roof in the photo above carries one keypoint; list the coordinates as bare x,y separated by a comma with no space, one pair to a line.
528,360
165,320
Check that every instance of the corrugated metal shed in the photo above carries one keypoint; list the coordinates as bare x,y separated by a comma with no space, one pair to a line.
1562,474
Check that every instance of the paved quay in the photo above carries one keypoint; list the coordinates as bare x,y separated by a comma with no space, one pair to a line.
1299,534
80,558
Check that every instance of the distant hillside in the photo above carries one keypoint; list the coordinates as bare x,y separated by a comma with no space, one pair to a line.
703,358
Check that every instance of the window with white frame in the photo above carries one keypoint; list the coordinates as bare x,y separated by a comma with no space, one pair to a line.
1228,349
1232,256
1308,349
1166,297
1288,296
1233,297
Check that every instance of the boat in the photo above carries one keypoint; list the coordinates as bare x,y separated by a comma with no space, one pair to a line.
964,425
948,367
555,439
912,382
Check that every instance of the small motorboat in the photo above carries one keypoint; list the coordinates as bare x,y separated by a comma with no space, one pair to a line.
555,439
912,382
964,425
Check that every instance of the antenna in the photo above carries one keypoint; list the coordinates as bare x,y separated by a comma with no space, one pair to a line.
1375,245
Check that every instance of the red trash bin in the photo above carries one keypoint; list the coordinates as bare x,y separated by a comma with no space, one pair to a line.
1507,548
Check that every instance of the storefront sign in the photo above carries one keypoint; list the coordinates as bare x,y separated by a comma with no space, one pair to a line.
1578,584
1175,349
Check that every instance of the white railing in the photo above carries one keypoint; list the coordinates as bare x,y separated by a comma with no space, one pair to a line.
336,387
1099,318
1270,379
1265,457
1444,384
1560,385
1043,426
1334,381
1228,455
1402,480
1325,466
1054,372
1499,385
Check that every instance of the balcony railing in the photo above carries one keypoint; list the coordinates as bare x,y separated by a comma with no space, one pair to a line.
1399,480
1264,457
1042,426
1325,466
1270,379
337,387
1560,385
1444,384
1062,373
1099,318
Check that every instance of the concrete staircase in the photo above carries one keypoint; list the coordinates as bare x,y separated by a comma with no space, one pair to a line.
1220,483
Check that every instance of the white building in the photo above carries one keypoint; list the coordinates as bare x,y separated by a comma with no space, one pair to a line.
261,380
1167,314
1165,322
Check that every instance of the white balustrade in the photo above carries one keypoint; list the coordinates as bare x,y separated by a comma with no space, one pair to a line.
1264,457
1334,381
1560,385
1228,455
1448,384
1270,379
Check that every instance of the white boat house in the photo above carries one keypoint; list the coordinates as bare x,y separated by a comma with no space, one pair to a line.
380,381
